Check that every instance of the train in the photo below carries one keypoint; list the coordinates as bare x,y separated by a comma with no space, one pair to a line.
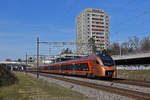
98,65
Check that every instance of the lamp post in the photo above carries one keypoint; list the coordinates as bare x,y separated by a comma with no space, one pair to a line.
120,52
26,63
120,49
37,57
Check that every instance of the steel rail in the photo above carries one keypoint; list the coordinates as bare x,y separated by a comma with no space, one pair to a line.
124,92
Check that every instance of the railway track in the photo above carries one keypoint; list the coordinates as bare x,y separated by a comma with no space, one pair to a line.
133,82
114,90
123,81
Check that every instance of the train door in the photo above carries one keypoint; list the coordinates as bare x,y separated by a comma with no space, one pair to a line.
59,68
96,67
73,69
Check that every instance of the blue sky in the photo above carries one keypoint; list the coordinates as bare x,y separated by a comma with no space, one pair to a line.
22,21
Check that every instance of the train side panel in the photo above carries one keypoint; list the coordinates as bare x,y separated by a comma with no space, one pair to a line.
91,66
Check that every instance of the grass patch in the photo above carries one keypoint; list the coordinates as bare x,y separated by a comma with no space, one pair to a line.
6,77
31,89
134,74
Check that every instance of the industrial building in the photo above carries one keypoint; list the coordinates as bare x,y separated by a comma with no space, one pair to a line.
92,23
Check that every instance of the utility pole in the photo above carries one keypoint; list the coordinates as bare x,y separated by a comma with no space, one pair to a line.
26,58
26,62
120,50
38,57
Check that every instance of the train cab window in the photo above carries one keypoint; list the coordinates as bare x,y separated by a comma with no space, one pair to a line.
97,62
106,59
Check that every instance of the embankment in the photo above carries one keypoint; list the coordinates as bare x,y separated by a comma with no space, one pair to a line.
6,77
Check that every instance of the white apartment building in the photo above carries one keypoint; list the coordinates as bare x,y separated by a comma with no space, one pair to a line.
92,23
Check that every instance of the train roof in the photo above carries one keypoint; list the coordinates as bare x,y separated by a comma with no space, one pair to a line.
86,58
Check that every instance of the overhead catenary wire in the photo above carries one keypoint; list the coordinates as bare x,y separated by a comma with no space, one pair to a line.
131,19
127,4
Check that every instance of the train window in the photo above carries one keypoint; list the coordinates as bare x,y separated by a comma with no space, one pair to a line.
53,67
40,68
77,67
49,67
43,68
82,67
97,62
71,67
59,67
67,67
62,67
56,67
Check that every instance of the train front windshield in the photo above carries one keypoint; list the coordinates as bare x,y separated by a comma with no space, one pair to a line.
106,59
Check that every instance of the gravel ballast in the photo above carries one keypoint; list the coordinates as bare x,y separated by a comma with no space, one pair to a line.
89,92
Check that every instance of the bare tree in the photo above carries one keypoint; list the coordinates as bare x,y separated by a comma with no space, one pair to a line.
115,48
67,51
92,45
19,60
133,45
124,48
8,59
145,44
